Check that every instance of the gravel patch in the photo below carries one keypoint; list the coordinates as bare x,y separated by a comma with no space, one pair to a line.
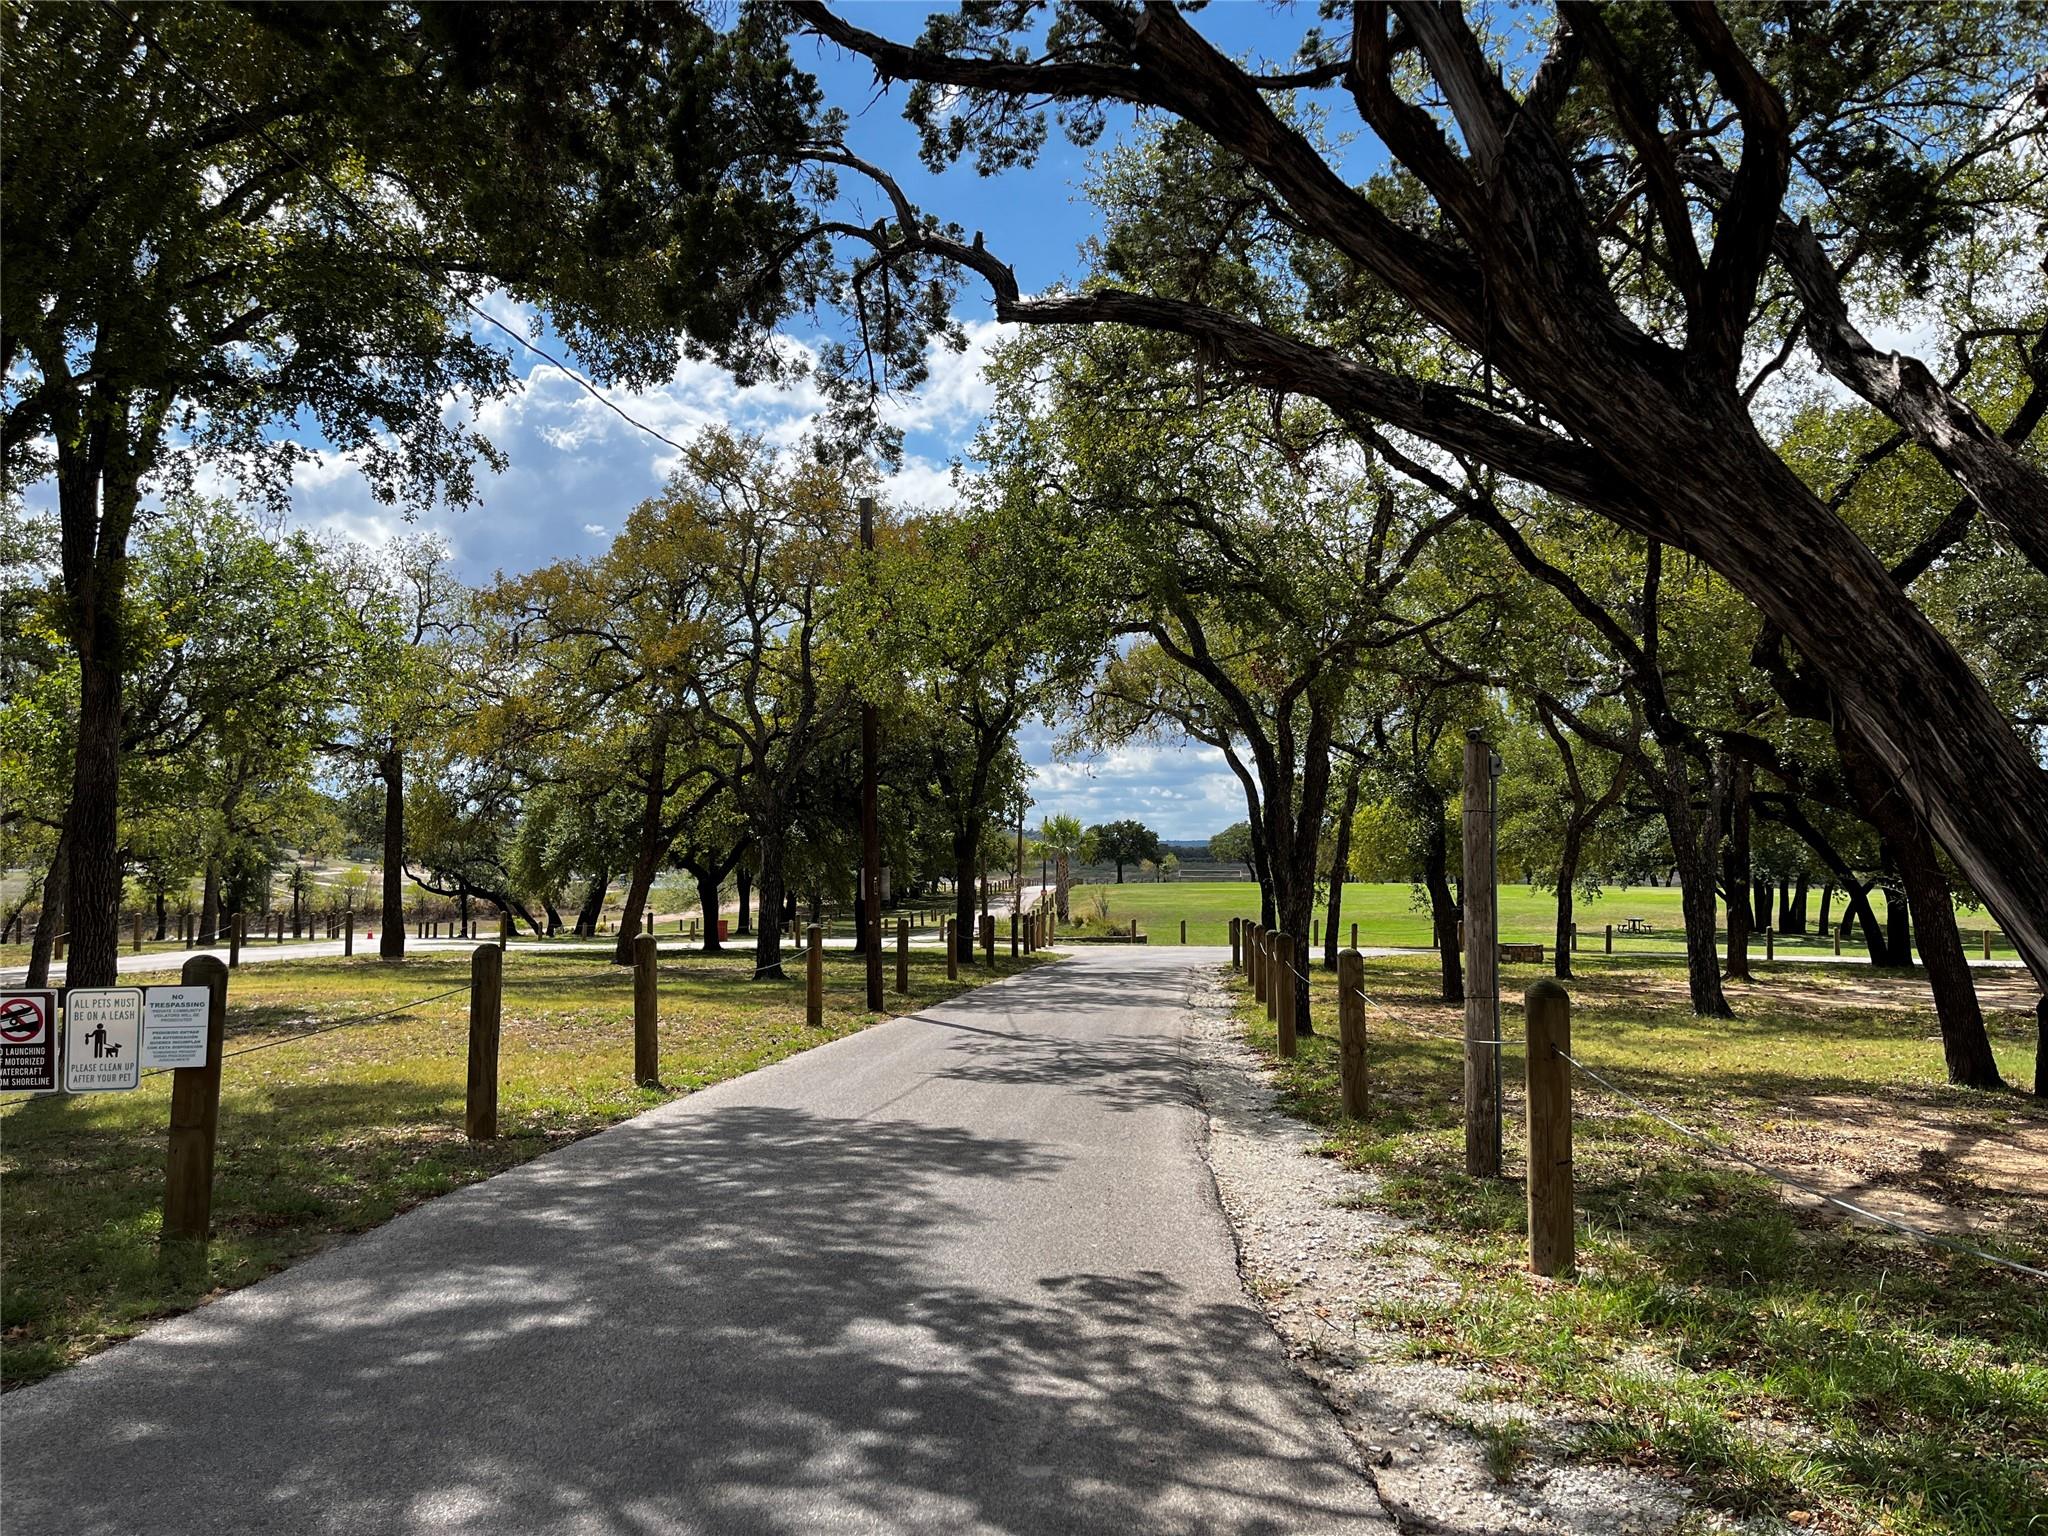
1320,1259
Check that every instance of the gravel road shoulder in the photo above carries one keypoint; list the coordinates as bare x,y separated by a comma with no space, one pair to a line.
1320,1259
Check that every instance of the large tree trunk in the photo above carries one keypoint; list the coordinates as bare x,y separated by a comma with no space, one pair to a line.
1965,1045
1926,903
1795,917
1567,879
743,879
708,883
965,841
391,769
768,941
95,515
1741,900
1443,906
1863,919
209,904
652,847
1898,917
50,917
592,907
1695,841
1340,867
1827,902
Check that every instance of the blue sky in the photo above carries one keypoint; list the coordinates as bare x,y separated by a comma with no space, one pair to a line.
575,468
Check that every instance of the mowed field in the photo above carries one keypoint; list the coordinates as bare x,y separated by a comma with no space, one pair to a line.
342,1091
1388,916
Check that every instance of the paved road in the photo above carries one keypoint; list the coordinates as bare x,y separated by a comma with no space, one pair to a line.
962,1273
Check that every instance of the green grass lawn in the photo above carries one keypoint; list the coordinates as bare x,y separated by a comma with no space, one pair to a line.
1388,916
1764,1351
336,1132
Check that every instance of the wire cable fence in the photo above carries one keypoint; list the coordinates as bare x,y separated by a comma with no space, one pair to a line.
1733,1154
291,1038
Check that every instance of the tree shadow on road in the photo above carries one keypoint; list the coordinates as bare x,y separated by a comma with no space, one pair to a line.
721,1321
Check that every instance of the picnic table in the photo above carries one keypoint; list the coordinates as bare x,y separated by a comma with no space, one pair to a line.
1635,925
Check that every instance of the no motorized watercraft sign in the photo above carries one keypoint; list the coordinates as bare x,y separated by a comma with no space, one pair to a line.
28,1042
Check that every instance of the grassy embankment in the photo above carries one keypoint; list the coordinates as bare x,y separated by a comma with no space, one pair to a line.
324,1134
1776,1358
1388,917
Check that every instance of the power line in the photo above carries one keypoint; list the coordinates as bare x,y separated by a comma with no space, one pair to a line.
353,207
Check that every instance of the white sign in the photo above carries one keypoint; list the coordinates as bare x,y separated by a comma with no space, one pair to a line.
174,1027
102,1039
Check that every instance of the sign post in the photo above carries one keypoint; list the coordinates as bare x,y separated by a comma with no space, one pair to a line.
195,1111
28,1042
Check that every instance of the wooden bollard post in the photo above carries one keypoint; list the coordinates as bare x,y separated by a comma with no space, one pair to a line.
814,979
235,941
504,930
1354,935
902,954
1351,1062
952,949
1236,948
348,931
646,1014
195,1113
486,1012
1838,938
1770,943
1547,1015
1987,943
988,936
1610,938
1282,991
1016,938
138,933
1183,930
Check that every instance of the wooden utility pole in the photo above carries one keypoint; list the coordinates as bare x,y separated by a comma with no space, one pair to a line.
1482,968
870,811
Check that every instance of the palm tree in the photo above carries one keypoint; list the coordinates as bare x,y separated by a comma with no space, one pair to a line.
1063,838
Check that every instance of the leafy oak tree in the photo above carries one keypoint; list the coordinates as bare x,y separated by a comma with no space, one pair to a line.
223,218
